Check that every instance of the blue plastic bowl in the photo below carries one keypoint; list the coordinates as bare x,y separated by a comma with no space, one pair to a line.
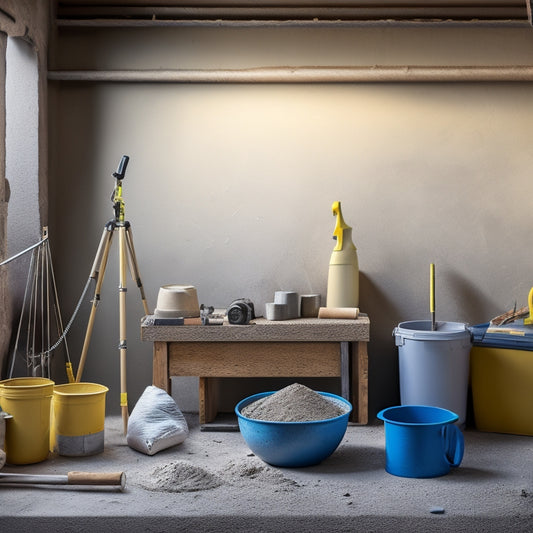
293,444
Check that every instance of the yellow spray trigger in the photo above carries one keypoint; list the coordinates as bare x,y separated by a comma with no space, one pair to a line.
529,320
340,226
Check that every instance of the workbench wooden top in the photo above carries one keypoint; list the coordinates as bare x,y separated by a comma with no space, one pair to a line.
262,330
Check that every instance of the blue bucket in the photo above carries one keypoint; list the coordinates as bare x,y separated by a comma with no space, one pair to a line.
421,441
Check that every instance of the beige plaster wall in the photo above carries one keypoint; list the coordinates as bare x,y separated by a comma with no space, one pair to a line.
230,187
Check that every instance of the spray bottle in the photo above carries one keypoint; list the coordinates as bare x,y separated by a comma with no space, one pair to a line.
343,276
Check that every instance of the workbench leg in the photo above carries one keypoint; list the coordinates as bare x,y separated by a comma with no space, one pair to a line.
160,377
208,400
346,374
360,383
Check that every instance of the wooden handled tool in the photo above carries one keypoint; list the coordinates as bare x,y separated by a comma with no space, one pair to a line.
116,479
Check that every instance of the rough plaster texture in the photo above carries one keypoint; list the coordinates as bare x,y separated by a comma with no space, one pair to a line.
24,27
21,170
22,149
5,303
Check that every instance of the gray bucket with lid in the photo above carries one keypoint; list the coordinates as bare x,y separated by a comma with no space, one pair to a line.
434,365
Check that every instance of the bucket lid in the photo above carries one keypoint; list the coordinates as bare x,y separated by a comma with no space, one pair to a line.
421,330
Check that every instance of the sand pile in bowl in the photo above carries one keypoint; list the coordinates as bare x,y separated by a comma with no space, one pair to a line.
295,403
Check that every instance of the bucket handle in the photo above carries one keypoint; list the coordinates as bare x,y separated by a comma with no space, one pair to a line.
454,444
398,338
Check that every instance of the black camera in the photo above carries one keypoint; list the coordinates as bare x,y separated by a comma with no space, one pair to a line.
240,311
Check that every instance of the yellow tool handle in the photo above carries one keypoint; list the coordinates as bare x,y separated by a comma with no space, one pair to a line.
432,287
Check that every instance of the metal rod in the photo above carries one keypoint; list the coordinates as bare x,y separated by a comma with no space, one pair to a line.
482,4
117,479
32,320
301,74
19,329
316,24
34,479
59,319
24,251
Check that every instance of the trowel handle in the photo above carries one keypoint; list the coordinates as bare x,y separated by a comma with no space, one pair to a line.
97,478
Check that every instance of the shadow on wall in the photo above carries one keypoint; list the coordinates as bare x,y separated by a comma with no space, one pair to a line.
383,377
80,207
472,305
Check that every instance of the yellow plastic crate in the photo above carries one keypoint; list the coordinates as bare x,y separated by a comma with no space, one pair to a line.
502,389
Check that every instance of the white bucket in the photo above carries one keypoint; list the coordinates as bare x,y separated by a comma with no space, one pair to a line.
434,365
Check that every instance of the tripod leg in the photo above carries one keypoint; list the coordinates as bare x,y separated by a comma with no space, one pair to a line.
134,268
122,315
98,272
103,248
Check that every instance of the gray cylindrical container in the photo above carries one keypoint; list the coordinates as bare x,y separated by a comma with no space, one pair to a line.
434,365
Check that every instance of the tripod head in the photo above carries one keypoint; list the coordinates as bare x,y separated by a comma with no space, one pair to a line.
116,197
121,170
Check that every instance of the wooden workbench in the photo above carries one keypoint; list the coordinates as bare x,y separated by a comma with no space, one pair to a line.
307,347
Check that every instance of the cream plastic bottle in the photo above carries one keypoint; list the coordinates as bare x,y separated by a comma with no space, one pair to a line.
343,275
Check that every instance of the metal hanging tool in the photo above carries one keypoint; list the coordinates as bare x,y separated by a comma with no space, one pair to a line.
126,255
40,305
93,479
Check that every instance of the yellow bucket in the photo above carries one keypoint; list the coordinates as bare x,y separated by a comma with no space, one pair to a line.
78,418
27,400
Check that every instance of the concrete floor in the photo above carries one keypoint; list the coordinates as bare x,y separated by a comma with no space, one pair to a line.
492,490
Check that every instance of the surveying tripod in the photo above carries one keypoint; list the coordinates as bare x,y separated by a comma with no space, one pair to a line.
126,255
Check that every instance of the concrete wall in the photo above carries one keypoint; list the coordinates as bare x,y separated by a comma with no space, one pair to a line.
23,157
230,186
